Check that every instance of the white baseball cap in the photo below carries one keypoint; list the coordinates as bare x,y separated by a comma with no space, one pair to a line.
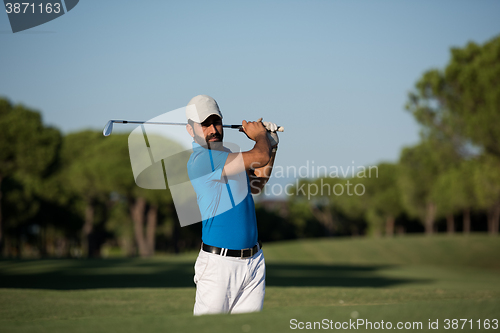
201,107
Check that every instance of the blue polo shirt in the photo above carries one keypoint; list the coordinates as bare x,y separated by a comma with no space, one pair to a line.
225,202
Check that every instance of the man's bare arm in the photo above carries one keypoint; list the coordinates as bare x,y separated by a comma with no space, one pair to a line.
260,176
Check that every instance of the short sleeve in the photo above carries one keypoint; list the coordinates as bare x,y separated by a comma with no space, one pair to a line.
207,164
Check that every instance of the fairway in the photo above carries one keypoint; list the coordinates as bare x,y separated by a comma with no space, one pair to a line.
411,280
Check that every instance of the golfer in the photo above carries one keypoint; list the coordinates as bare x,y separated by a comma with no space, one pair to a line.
230,268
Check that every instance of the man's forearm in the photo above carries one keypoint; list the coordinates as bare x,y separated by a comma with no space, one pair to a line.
260,176
264,172
260,154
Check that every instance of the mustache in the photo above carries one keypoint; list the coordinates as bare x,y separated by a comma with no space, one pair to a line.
211,136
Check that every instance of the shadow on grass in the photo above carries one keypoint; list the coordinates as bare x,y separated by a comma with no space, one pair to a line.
136,273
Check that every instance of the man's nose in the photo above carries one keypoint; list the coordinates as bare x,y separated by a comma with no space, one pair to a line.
212,129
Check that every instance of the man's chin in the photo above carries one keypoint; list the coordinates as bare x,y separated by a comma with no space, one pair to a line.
215,144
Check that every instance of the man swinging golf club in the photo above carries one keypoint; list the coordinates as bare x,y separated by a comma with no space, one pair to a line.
230,268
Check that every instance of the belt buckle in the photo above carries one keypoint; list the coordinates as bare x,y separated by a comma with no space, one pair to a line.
242,250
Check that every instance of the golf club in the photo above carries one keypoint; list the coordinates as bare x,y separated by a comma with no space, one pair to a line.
109,126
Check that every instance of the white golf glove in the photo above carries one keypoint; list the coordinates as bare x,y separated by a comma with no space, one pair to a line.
271,133
271,127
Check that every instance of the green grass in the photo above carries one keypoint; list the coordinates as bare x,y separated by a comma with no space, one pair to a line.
405,279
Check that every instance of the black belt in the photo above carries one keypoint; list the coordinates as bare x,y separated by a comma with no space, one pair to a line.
244,253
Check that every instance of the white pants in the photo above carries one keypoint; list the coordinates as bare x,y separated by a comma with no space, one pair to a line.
229,284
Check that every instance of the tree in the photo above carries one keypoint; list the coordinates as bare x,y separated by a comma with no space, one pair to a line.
28,154
455,193
145,205
334,203
487,186
459,105
82,175
301,217
354,201
309,198
461,102
385,202
98,169
472,86
420,167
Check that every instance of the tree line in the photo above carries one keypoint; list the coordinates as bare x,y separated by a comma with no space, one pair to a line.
453,172
74,195
68,195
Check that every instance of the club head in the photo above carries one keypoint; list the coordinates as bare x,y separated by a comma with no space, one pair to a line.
108,128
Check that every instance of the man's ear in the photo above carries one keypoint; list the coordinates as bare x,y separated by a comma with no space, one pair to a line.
190,130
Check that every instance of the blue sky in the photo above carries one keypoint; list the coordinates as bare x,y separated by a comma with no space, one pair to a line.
335,74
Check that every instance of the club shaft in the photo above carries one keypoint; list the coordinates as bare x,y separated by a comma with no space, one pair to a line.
109,126
163,123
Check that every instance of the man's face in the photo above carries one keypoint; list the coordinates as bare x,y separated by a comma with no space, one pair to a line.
209,131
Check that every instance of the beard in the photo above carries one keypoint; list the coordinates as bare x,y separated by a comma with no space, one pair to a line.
205,142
